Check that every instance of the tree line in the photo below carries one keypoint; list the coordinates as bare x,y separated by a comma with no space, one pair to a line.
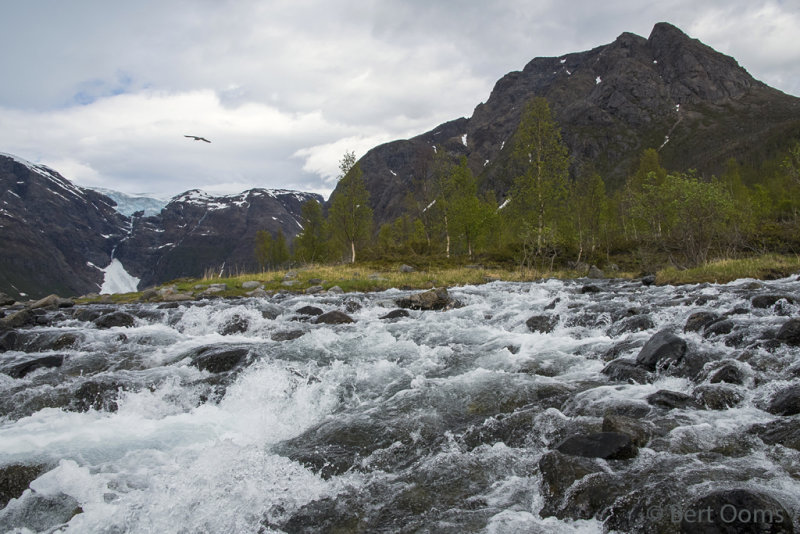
549,219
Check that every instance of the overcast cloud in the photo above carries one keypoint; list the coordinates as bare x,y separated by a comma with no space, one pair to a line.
104,91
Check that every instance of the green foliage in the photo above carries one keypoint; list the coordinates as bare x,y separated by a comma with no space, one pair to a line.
350,216
310,244
271,252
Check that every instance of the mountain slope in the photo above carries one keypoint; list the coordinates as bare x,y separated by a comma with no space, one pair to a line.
59,238
696,106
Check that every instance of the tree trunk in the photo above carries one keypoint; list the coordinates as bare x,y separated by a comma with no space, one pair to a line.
447,237
352,251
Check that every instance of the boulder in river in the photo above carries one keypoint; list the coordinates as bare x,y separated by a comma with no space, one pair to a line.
220,359
115,319
334,317
20,370
15,478
542,323
671,399
736,511
767,301
606,445
433,299
639,431
625,370
661,350
235,325
789,333
786,401
698,320
395,314
309,310
784,431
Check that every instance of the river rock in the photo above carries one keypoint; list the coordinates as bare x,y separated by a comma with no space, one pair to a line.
433,299
20,370
395,314
718,396
235,325
39,512
334,317
5,300
736,511
251,284
590,288
786,401
220,359
648,280
671,399
309,310
542,323
661,350
52,302
606,445
784,431
626,370
287,335
559,471
718,328
729,372
313,290
10,340
335,290
698,320
639,431
18,319
115,319
767,301
97,394
789,333
637,323
15,478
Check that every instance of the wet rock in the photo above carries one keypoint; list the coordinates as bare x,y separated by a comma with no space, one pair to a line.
625,370
606,445
18,319
718,396
789,333
559,472
235,325
39,512
15,478
640,432
89,314
97,395
251,284
729,373
52,302
270,311
736,511
309,310
325,515
671,400
553,303
286,336
335,290
352,306
621,347
395,314
767,301
718,328
334,317
313,290
10,340
5,300
22,369
785,432
661,351
115,319
648,280
637,323
433,299
786,401
542,323
220,359
692,364
591,495
589,288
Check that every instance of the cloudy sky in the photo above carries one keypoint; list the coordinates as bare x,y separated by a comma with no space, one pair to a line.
104,91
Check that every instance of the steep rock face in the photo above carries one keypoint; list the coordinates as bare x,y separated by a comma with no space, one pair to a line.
670,92
54,237
196,232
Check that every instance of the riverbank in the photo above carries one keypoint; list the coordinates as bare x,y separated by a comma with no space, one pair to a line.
365,278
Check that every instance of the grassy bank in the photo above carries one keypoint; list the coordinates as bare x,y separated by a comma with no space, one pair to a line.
367,277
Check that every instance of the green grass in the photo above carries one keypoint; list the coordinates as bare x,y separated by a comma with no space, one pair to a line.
766,267
378,277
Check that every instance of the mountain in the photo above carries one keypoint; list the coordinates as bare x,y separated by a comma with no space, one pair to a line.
129,204
56,237
697,106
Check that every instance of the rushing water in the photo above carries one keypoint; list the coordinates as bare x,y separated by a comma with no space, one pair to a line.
435,422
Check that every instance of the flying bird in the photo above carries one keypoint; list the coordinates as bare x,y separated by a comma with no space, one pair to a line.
197,138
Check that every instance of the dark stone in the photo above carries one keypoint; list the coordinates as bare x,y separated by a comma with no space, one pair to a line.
661,351
5,300
692,365
594,272
309,310
606,445
648,280
729,372
19,319
235,325
39,512
697,321
615,350
786,401
718,396
637,323
718,328
395,314
89,314
542,323
433,299
589,288
553,303
671,399
115,319
559,471
97,395
625,370
286,336
220,359
352,306
334,317
784,431
639,431
45,362
789,333
736,511
767,301
10,340
15,478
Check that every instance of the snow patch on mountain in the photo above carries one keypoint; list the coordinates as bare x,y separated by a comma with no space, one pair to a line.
128,204
117,280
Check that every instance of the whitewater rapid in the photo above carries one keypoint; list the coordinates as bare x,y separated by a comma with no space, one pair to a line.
435,422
